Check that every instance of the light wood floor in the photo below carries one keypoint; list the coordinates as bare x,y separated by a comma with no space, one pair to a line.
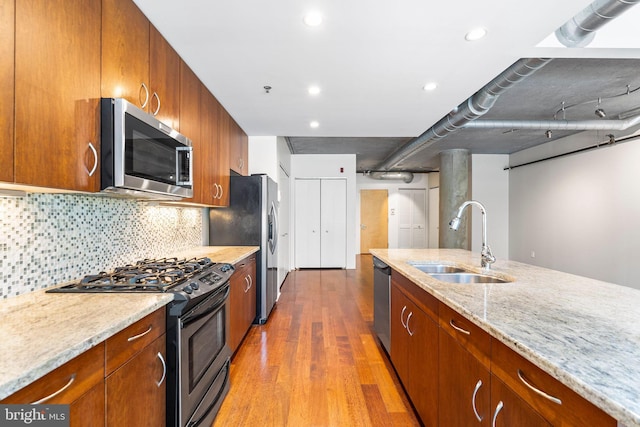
317,362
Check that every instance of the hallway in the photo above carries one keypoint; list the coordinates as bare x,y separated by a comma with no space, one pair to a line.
317,362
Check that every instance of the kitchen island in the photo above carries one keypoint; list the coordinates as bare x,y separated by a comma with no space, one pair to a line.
41,331
583,332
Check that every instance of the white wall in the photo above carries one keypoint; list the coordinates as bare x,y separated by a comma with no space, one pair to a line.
578,213
328,166
263,156
490,186
420,181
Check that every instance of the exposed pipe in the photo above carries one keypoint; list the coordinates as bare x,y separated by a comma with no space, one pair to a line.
555,124
474,107
579,31
405,176
590,19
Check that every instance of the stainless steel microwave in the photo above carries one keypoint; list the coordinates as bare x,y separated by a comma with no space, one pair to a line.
141,156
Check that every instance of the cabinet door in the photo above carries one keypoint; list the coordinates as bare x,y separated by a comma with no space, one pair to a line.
464,386
136,391
238,284
510,410
190,89
7,19
57,87
307,223
333,223
89,409
164,80
209,111
400,308
422,359
250,294
238,151
125,52
223,143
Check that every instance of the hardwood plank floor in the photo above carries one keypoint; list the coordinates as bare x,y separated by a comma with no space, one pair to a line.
317,361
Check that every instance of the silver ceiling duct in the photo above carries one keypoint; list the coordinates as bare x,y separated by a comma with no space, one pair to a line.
596,15
405,176
555,124
471,109
579,31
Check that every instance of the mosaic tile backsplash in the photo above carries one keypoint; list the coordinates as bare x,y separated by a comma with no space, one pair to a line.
47,239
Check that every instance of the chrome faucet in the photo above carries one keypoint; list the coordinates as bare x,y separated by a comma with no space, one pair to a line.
486,257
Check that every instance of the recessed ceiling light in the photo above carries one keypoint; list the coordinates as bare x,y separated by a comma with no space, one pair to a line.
313,19
475,34
430,86
314,124
314,90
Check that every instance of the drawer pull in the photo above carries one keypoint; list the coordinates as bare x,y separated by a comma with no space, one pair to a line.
458,328
135,337
538,391
495,415
473,400
402,317
52,395
409,317
164,369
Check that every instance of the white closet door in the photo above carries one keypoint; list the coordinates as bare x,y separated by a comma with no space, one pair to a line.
412,218
307,223
333,208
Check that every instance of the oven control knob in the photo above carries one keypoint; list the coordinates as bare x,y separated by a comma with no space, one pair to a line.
188,289
195,286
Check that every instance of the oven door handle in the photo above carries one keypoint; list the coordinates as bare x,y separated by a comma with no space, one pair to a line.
210,305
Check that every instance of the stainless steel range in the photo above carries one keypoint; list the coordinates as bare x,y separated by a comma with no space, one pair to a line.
198,357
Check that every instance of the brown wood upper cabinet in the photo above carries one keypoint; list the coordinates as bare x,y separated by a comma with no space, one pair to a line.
7,67
57,87
238,150
137,62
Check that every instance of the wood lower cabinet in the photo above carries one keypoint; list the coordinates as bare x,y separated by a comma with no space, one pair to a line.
79,383
464,386
136,391
242,301
511,410
57,87
7,66
414,350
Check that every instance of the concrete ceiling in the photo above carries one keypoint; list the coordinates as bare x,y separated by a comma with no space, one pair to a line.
371,59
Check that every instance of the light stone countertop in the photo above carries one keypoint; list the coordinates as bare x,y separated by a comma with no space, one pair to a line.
583,332
41,331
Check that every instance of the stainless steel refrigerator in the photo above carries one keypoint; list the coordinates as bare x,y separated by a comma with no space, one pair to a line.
252,220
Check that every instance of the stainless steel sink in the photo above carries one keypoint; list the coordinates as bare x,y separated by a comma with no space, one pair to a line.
436,268
467,278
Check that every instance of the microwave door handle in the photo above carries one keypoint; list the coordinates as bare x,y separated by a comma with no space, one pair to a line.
184,151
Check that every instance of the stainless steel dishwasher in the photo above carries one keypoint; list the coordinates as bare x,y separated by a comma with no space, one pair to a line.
382,302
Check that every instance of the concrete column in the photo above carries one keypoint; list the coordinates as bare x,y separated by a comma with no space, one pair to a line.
455,189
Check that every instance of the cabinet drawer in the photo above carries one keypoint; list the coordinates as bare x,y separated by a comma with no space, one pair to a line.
246,264
559,405
67,383
470,336
123,345
423,299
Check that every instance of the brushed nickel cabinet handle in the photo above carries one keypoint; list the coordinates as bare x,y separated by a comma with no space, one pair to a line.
458,328
241,163
221,192
409,317
135,337
95,159
146,99
246,280
164,369
473,400
537,390
404,325
495,415
155,95
54,394
250,282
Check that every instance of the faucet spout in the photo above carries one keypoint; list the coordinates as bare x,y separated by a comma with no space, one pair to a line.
486,257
